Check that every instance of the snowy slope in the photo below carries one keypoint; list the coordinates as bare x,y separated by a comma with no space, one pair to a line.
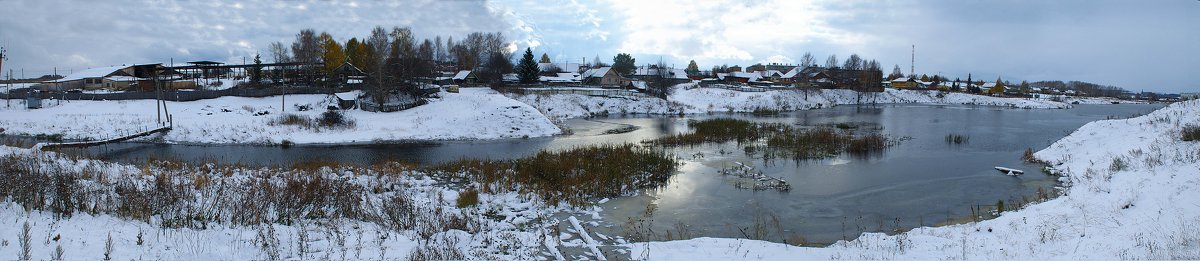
686,99
1134,188
475,113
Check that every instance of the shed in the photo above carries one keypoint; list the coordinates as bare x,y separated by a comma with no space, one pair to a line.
464,76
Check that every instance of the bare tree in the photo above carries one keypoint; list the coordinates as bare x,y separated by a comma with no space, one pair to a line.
379,49
660,85
438,50
832,62
853,63
807,60
307,49
279,52
896,73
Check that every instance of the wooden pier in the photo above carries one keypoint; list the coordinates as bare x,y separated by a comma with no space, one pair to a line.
81,144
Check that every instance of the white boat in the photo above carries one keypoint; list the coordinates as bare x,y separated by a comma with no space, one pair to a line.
1010,172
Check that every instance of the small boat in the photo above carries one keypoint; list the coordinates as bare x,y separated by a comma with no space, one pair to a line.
1010,172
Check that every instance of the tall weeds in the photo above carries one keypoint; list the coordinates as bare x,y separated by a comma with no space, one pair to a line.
1190,133
574,175
780,140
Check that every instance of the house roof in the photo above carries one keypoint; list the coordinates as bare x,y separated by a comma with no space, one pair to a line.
98,72
679,74
751,76
793,72
769,73
598,72
350,68
462,75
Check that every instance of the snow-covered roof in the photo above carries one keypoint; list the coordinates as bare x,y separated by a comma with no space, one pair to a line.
511,77
989,85
679,74
768,73
793,72
350,95
566,67
461,75
901,79
570,75
98,72
639,85
751,76
598,72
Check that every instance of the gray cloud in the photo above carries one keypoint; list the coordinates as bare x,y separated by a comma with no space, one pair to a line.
1140,45
81,34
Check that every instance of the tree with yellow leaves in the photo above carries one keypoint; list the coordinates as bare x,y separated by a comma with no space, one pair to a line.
998,89
333,55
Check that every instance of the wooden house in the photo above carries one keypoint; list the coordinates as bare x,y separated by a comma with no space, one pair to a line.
603,76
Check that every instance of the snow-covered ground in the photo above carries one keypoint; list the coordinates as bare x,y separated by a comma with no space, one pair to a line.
475,113
1133,193
515,226
703,100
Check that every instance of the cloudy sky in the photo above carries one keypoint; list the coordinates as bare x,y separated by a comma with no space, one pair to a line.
1139,45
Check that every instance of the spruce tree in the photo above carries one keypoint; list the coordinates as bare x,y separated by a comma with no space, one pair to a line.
693,68
527,69
624,64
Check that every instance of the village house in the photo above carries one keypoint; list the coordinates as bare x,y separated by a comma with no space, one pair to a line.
349,74
904,83
464,77
603,76
119,78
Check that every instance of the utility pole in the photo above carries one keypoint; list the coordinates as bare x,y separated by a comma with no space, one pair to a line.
3,57
912,69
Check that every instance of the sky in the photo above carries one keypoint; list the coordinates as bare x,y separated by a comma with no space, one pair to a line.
1138,45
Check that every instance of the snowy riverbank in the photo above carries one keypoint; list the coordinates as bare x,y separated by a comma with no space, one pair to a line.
689,100
475,113
173,211
1133,188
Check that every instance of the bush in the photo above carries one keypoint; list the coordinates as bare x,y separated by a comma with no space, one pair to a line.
292,119
332,118
1118,164
467,198
1190,133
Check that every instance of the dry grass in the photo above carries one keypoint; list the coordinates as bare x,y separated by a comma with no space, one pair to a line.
467,198
780,140
720,130
177,194
574,175
1190,133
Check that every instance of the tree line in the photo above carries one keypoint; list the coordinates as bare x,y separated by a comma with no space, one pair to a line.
396,60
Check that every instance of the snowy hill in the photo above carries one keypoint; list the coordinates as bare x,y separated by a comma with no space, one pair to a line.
686,99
